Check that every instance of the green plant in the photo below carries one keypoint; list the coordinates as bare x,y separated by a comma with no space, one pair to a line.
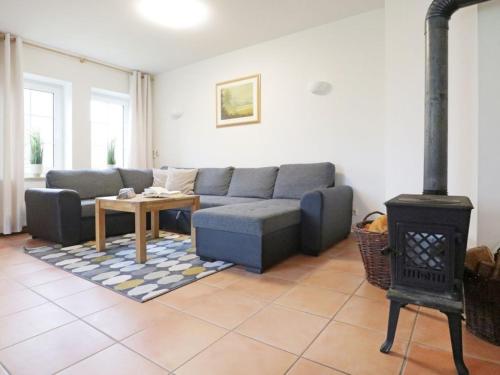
36,149
111,153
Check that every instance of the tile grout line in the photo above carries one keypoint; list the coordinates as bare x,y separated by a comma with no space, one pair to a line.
53,301
37,335
24,309
405,358
300,356
115,341
50,266
177,310
67,311
465,354
265,304
436,348
84,358
63,325
4,368
322,330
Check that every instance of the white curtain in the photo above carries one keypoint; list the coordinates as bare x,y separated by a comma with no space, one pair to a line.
141,122
12,210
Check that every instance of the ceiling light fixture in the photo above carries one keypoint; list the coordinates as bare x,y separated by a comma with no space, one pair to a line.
176,14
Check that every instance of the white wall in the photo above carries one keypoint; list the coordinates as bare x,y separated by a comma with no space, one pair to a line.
345,127
489,124
405,93
372,125
82,77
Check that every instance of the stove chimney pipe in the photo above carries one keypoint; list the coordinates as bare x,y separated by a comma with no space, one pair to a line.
436,93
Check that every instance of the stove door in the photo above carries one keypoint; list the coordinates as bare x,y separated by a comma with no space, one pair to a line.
424,257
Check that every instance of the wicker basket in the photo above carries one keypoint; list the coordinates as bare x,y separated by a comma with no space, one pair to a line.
482,306
371,245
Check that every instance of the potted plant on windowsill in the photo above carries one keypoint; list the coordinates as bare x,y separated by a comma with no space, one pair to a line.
36,158
111,154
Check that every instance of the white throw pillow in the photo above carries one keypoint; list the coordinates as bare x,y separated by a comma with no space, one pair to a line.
160,177
181,179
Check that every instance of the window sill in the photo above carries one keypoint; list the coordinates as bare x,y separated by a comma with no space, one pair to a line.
34,178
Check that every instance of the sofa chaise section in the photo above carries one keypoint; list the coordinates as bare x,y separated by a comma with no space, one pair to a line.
179,220
255,235
322,216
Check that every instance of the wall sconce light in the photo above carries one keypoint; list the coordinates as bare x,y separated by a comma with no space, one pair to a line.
319,88
175,115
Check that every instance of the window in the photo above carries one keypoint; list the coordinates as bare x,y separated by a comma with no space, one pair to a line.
109,127
43,114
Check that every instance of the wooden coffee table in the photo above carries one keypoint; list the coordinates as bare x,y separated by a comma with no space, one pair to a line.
139,205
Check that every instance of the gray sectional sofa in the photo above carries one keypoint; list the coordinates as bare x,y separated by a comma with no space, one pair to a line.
250,216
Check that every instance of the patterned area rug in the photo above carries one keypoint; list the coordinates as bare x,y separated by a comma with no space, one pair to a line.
171,263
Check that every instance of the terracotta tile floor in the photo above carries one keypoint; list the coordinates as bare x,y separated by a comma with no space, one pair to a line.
307,316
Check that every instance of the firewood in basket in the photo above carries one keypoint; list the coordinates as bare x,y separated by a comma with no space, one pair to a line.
485,269
496,272
476,255
379,225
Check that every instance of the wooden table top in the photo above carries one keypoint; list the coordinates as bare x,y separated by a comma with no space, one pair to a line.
178,200
139,198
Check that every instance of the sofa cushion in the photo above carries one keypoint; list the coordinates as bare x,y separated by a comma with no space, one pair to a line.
159,177
213,181
88,183
88,209
253,182
258,218
208,201
139,179
295,179
181,180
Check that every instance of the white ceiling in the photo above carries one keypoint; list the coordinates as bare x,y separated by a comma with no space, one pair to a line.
113,31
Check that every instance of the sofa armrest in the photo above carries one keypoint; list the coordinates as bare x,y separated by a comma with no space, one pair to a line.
326,218
54,215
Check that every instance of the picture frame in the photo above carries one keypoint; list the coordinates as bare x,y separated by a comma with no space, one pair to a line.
238,101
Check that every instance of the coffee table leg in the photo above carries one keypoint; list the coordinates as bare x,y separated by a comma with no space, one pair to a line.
140,234
194,207
155,223
100,227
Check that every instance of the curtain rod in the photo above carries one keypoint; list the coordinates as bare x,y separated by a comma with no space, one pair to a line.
81,58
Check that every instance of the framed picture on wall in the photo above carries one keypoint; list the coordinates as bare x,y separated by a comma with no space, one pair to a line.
238,101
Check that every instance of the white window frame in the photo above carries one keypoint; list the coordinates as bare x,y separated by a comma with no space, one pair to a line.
121,99
44,84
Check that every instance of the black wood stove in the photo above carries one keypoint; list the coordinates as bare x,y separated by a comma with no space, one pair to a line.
427,244
428,233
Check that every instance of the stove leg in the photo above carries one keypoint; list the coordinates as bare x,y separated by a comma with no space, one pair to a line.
455,325
391,329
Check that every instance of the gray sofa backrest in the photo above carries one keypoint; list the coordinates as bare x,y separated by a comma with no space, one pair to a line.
289,181
253,182
295,179
87,182
139,179
213,181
